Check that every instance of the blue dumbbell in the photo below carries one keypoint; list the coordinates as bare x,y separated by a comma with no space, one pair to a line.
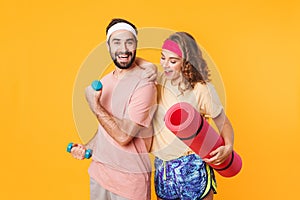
88,152
96,85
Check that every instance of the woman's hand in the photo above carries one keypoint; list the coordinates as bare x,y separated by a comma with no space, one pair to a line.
149,69
219,155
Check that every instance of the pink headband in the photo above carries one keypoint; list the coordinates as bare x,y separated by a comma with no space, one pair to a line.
172,46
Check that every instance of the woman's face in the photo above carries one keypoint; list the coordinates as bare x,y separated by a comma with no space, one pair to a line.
171,64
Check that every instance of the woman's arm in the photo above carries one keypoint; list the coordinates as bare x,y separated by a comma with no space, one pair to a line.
226,131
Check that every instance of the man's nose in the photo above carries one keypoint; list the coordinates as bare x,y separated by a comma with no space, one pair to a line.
123,47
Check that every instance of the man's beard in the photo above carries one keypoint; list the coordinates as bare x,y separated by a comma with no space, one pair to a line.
128,65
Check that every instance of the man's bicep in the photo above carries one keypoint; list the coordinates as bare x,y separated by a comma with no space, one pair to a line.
142,105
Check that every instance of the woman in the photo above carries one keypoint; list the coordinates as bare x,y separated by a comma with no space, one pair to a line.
179,172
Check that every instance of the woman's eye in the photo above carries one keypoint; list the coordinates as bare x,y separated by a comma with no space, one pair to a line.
173,61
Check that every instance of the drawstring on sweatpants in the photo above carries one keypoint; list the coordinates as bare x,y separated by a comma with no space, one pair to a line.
165,170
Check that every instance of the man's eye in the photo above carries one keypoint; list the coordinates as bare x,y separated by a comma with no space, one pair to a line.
116,43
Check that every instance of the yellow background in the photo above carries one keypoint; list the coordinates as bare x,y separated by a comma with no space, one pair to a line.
255,45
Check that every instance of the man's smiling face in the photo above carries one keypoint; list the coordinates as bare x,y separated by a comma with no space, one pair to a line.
122,47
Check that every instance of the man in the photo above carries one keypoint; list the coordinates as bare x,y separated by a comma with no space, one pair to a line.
124,108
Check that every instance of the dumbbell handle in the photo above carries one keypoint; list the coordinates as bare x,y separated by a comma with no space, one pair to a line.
88,152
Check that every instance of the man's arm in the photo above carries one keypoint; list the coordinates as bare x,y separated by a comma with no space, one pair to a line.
122,131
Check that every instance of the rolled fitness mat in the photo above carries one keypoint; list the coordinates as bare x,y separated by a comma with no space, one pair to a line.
190,127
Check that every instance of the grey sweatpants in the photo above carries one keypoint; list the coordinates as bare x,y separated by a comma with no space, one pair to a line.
99,193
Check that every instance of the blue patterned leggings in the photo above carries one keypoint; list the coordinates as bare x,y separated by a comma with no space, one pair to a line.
185,178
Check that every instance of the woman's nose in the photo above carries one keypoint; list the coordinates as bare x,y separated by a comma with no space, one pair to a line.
164,63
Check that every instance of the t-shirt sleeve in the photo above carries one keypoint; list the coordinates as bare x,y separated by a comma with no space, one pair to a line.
142,104
209,100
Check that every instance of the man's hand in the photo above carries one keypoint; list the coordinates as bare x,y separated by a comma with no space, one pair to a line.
93,98
78,151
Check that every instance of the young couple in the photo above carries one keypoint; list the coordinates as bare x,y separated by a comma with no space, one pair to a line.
130,110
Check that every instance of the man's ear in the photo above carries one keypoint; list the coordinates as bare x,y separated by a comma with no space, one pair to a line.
107,45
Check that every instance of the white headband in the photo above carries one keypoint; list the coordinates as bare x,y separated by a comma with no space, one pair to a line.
120,26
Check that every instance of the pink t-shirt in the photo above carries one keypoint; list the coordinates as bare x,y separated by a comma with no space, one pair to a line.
125,170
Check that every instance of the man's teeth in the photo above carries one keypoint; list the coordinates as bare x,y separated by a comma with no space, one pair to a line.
124,56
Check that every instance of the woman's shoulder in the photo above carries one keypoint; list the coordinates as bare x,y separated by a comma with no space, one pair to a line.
201,87
204,86
205,89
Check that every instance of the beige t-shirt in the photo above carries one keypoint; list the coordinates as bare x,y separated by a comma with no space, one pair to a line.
203,97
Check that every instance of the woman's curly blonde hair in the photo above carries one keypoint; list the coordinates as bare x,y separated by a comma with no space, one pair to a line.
194,67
